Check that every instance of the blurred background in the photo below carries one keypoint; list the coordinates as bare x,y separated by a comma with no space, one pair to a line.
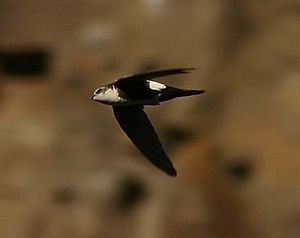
67,169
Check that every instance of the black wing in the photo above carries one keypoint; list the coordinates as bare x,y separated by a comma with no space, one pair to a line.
157,74
134,121
135,87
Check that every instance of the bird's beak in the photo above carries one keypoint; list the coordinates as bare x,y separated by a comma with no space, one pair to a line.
93,97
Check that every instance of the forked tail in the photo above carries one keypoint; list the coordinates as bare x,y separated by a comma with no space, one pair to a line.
171,92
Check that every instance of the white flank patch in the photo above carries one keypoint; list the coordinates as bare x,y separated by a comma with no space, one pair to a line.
155,85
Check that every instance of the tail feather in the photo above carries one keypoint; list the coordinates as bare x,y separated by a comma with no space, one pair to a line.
171,92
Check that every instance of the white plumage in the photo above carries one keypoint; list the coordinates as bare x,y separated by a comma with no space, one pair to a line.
156,85
108,95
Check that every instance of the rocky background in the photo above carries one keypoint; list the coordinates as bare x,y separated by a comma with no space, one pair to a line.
66,168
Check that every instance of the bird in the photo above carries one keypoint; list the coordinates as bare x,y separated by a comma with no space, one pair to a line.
128,95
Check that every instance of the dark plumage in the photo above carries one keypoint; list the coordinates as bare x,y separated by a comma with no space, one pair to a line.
128,95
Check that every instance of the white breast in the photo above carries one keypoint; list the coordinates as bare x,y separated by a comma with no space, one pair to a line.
112,95
156,85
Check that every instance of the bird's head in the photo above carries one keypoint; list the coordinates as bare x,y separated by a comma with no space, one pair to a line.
99,94
107,95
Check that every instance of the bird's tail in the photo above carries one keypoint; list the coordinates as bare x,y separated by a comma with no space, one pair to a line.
171,92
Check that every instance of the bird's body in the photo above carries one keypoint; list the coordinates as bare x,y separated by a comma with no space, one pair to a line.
128,95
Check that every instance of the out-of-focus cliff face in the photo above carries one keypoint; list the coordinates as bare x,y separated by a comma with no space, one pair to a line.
67,170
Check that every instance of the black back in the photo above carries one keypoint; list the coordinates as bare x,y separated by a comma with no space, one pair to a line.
135,87
136,90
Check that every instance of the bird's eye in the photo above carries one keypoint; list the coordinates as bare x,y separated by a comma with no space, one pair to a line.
98,90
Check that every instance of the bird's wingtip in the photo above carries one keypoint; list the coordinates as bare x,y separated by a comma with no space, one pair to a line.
188,70
172,172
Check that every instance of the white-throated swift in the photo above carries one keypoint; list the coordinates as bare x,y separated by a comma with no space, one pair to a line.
128,95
